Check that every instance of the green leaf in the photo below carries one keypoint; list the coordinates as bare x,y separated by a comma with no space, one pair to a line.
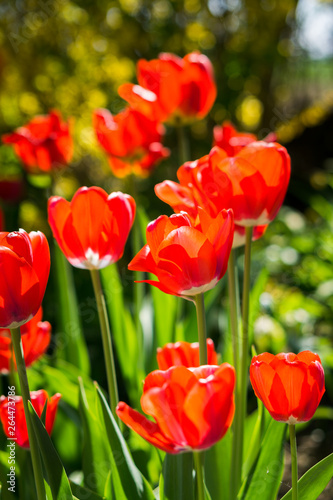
314,481
96,453
128,482
176,482
265,477
73,346
56,474
84,493
254,439
217,468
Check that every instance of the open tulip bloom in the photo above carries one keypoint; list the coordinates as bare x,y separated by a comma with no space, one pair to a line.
43,144
187,260
131,139
253,183
192,407
172,89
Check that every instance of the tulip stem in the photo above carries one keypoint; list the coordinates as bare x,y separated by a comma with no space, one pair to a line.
294,469
236,457
202,332
244,353
234,306
22,373
200,473
183,145
107,342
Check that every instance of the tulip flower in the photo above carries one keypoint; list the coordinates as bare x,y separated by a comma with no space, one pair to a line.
43,144
192,407
290,385
228,138
253,183
92,229
13,405
184,354
131,140
36,337
25,267
173,90
187,259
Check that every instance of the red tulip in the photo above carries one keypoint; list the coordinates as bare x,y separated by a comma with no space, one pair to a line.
172,89
44,144
253,183
92,229
184,354
228,138
2,221
290,385
131,139
186,259
36,337
192,407
13,407
25,267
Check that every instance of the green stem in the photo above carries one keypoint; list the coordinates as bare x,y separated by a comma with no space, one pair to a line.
21,370
245,316
234,306
237,442
200,472
183,145
106,339
241,393
202,332
294,470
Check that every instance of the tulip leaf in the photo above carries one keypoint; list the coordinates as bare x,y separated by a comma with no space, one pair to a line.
56,474
96,453
217,468
314,481
176,482
254,439
266,474
84,493
73,347
123,331
127,480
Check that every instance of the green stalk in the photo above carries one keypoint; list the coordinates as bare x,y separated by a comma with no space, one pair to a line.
245,316
22,373
243,366
199,469
294,469
183,145
107,342
237,442
234,306
202,332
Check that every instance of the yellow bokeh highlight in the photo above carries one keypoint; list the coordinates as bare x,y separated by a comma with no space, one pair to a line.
29,104
192,6
197,33
249,112
130,6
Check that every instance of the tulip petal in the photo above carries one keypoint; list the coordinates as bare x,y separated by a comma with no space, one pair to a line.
147,429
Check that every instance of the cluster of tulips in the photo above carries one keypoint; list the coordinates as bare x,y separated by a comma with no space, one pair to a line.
222,201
